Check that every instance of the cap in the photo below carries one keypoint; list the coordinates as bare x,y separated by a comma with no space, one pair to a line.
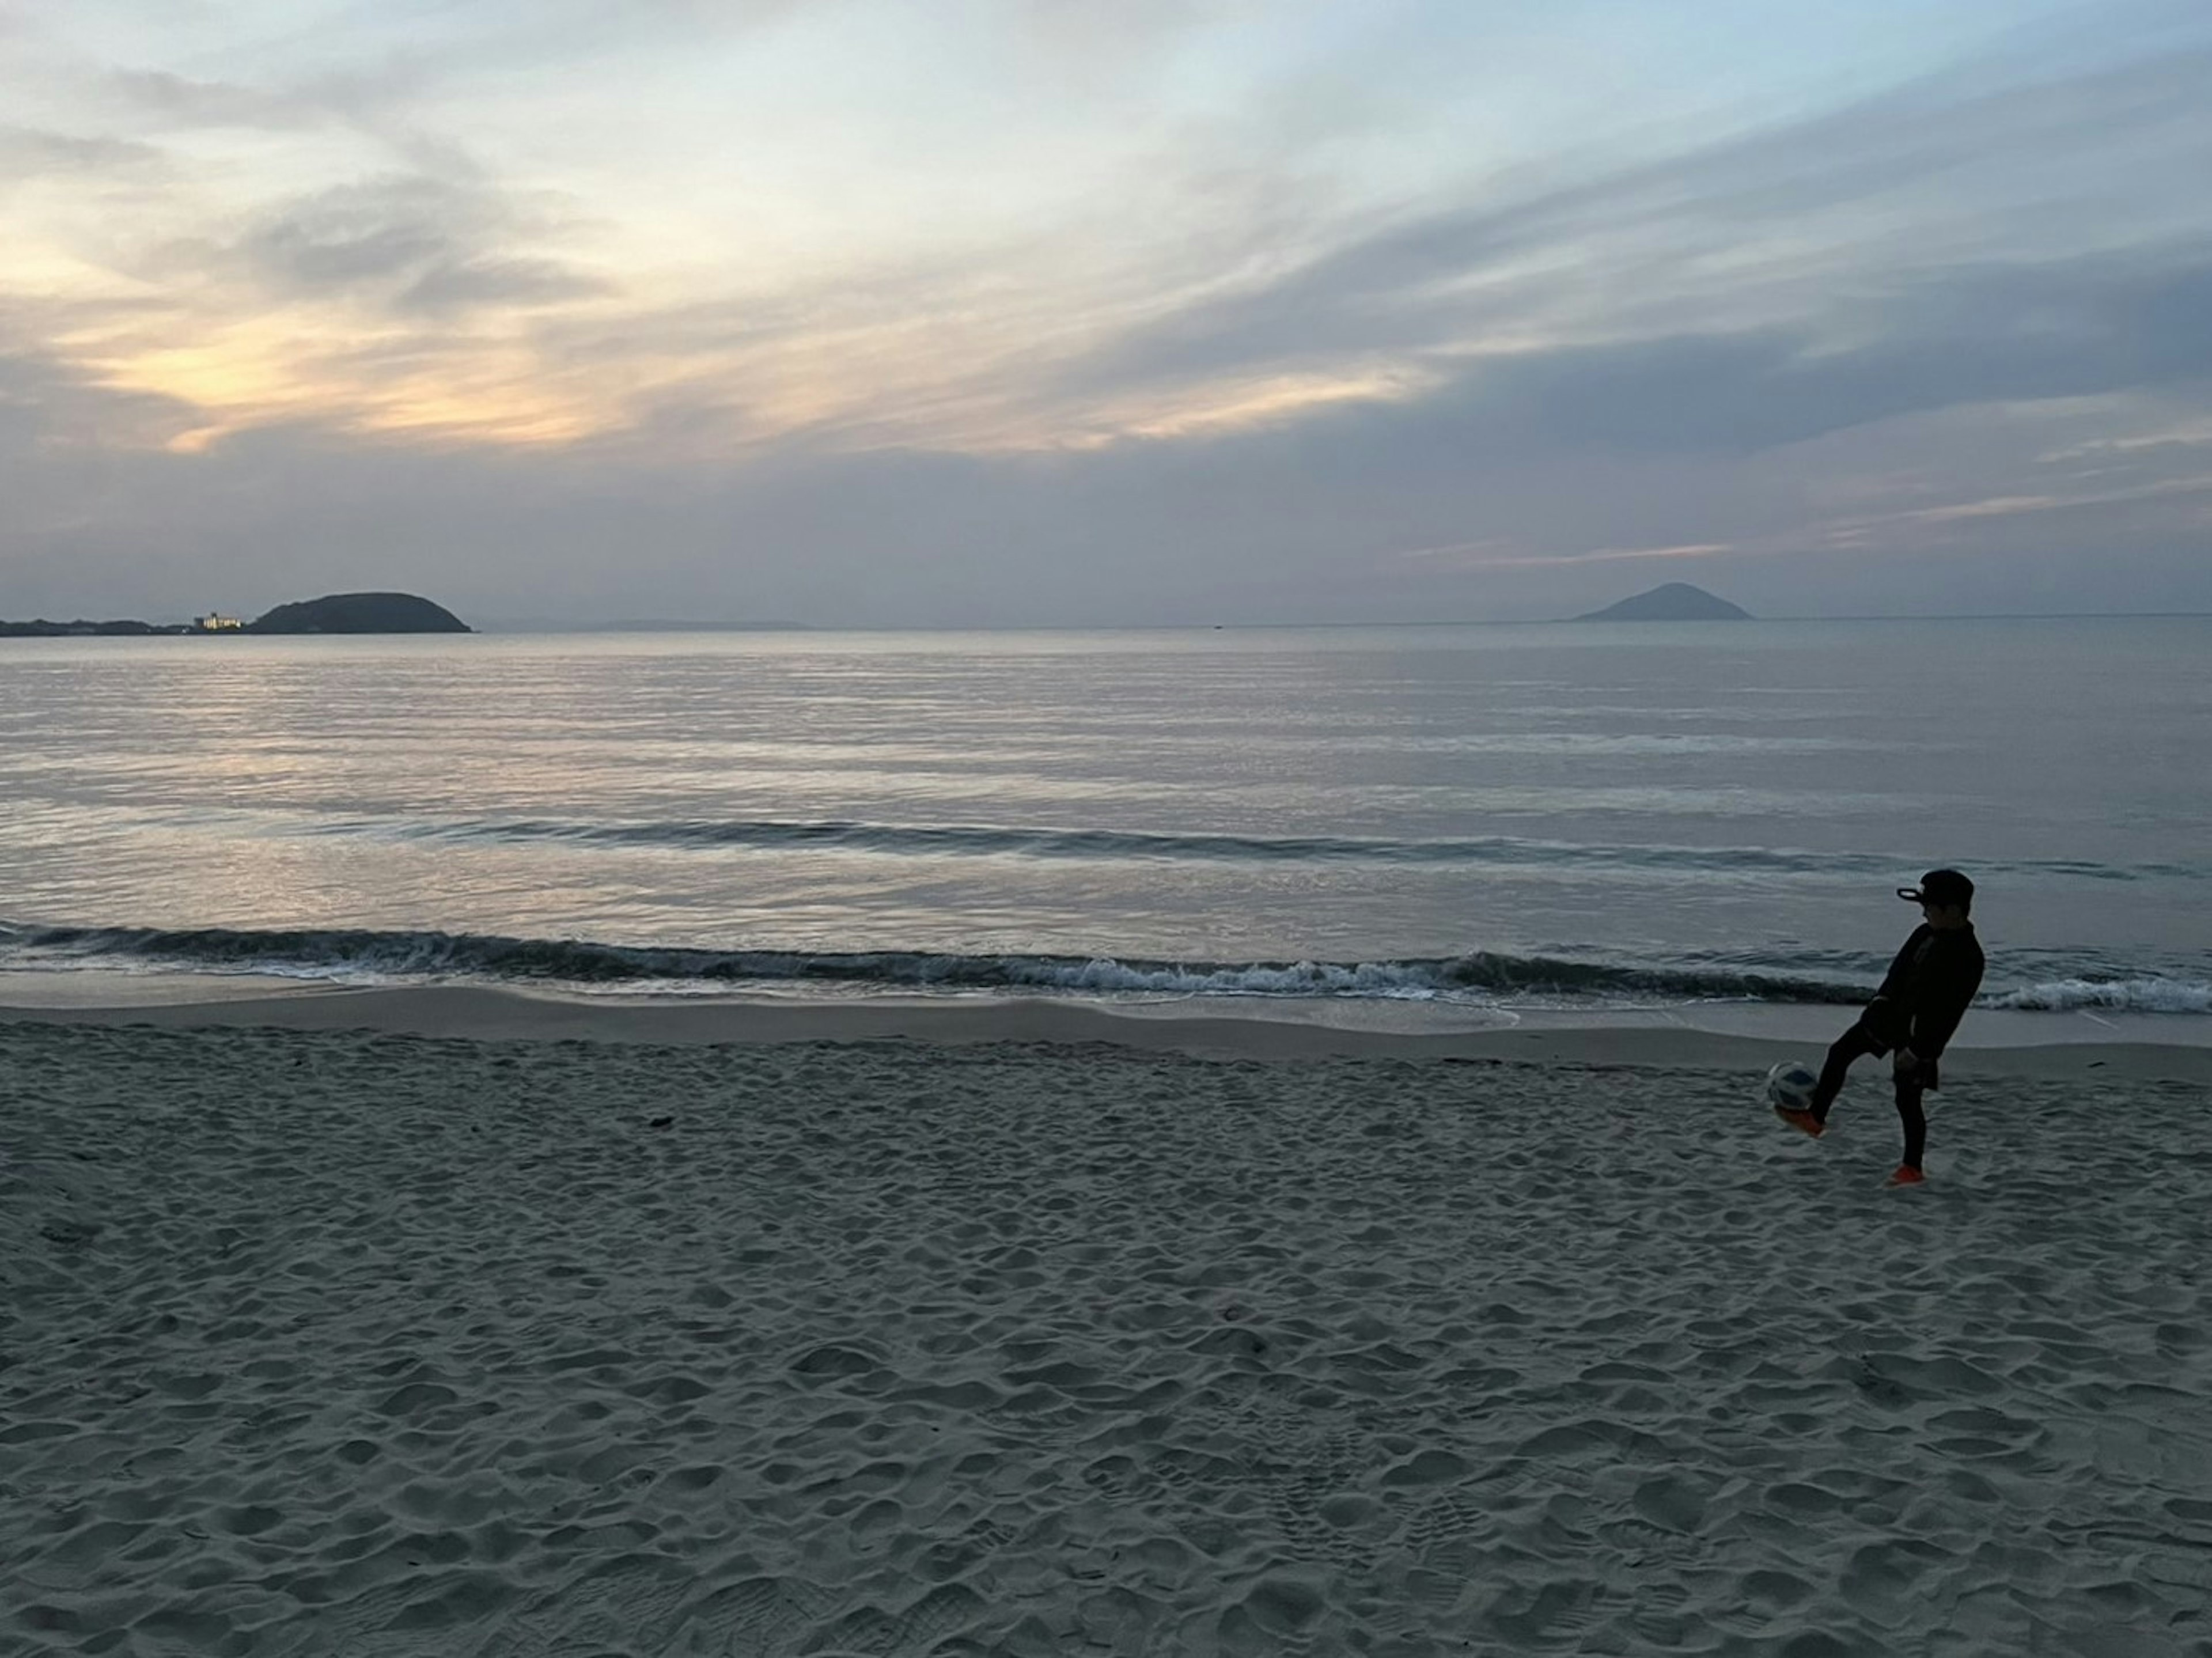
1940,886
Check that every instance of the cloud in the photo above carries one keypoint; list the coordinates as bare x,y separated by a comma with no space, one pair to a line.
1964,337
29,152
1311,521
179,101
404,303
408,243
378,232
1945,342
1824,226
1757,290
509,283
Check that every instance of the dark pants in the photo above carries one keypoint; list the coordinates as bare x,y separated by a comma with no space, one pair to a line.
1856,1043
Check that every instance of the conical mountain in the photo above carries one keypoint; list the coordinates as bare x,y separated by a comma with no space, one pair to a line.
1678,601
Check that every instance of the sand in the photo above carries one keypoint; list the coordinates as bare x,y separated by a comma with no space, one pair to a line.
345,1342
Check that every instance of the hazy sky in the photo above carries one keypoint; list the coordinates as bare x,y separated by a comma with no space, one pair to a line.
1104,311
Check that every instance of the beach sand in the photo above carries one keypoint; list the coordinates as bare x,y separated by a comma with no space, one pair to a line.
334,1341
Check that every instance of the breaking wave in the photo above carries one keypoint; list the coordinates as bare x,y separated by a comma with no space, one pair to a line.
2140,995
375,956
367,956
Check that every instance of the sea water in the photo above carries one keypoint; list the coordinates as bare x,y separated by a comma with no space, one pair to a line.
1576,815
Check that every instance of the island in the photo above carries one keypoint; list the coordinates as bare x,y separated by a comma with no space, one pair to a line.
333,613
360,613
1678,601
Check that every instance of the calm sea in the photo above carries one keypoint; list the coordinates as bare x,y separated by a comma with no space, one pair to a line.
1545,814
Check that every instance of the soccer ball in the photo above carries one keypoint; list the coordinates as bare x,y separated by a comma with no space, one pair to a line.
1791,1084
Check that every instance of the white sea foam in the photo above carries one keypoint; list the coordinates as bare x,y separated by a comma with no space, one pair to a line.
2149,995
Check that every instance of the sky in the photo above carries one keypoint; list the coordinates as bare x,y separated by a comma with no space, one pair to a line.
1073,312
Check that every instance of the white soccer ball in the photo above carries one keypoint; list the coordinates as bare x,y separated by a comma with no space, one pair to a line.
1791,1084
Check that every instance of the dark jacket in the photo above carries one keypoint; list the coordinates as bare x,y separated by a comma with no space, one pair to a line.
1925,993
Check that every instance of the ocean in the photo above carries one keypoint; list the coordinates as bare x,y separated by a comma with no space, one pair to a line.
1557,815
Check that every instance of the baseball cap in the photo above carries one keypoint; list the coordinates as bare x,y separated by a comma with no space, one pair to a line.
1940,886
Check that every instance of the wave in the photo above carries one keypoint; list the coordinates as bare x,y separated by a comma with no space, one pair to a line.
977,841
959,840
363,954
2133,995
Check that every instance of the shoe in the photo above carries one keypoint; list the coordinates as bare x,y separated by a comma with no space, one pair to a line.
1906,1174
1803,1121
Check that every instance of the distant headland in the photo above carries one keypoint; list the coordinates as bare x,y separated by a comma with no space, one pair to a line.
1678,601
333,613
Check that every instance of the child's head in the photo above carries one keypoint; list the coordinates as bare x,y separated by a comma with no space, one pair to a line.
1945,896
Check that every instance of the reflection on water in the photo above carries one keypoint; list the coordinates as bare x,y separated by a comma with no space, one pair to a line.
365,783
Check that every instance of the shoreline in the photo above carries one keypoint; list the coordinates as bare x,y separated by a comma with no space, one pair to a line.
1705,1036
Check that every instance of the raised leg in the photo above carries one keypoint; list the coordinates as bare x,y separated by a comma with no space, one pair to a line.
1855,1043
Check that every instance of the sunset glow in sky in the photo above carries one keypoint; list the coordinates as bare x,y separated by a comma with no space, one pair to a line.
1014,311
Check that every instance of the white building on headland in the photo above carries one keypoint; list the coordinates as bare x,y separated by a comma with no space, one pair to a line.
213,622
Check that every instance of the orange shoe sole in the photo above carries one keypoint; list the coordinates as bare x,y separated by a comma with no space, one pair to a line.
1803,1121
